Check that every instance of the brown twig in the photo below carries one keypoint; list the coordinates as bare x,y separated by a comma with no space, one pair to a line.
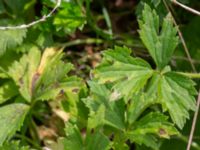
181,38
194,123
186,7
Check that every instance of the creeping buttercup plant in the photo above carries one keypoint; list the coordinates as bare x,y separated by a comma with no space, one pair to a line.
124,89
126,101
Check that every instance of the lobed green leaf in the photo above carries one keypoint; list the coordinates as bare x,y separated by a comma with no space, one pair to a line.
128,74
69,18
175,94
43,77
114,112
11,119
10,39
7,91
74,140
14,145
160,44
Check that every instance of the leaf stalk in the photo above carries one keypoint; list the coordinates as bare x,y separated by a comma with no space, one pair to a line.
190,75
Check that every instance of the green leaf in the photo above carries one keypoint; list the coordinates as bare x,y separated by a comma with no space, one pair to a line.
175,94
71,102
53,78
147,140
22,72
92,141
114,112
96,119
14,145
153,123
138,104
119,141
3,73
11,119
73,138
17,6
97,140
6,61
10,39
128,74
2,8
69,18
7,91
156,2
160,44
43,77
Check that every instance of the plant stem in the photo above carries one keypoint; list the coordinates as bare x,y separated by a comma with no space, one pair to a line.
92,23
81,41
190,75
185,139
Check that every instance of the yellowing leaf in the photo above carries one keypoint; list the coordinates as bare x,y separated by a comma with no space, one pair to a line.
43,77
48,54
22,72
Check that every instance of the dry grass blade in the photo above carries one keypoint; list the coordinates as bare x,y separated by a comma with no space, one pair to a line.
186,8
194,123
194,69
